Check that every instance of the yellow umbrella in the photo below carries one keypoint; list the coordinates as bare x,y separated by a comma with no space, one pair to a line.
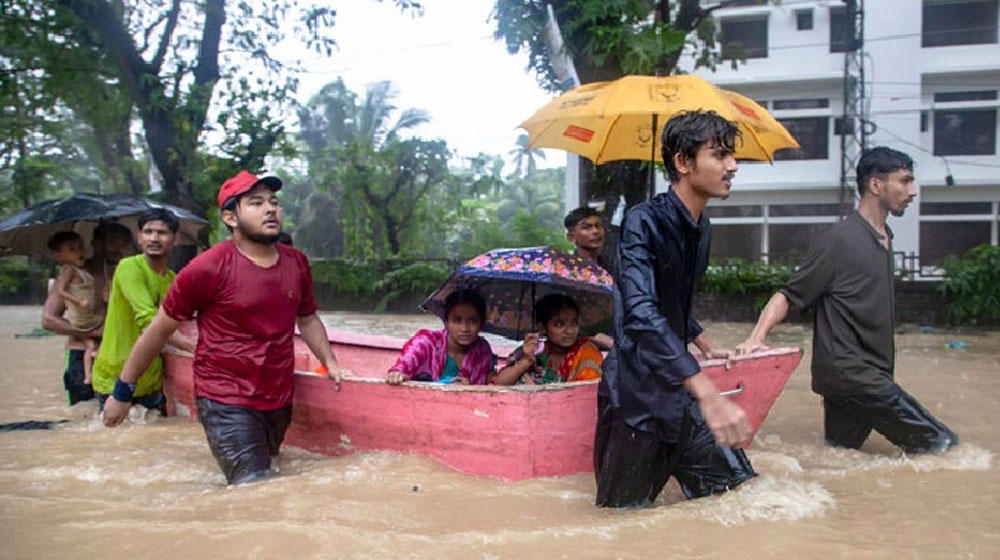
608,121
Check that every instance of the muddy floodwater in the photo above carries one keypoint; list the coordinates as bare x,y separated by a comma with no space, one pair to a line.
152,490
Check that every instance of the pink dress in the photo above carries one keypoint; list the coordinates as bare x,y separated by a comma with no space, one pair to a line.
427,351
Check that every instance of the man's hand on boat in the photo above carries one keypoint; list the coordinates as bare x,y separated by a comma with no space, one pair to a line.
749,346
727,421
337,373
115,412
710,351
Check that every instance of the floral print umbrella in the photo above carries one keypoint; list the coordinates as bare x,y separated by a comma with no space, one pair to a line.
511,280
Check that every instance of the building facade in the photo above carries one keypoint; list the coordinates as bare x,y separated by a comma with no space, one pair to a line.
930,89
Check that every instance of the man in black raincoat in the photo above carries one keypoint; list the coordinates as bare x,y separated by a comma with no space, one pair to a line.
658,415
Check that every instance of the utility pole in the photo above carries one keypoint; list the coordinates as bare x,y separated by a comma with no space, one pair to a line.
854,120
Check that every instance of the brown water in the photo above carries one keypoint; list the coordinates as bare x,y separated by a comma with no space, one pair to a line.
153,490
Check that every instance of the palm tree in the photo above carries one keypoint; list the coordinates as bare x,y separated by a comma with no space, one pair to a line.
524,157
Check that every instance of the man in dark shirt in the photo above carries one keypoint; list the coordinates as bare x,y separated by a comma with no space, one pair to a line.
658,414
848,277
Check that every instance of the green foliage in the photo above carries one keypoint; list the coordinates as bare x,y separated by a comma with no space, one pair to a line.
972,288
609,38
738,277
347,277
417,278
16,271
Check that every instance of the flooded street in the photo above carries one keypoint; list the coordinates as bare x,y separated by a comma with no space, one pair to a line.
154,491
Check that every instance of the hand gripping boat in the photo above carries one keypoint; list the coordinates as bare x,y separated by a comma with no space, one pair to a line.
510,433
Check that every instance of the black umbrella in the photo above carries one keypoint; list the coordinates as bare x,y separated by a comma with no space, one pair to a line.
27,232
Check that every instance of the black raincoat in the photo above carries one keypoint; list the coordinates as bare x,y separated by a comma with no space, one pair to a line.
662,255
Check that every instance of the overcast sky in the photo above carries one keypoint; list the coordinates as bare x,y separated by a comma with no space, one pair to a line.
445,62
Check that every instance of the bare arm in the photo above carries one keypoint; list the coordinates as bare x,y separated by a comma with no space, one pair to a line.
510,374
774,312
52,316
709,349
61,287
146,349
314,334
182,342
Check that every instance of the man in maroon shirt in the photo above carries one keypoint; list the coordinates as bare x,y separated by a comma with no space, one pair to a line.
248,295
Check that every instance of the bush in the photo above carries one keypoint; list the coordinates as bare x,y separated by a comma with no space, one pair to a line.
739,277
971,287
346,277
417,278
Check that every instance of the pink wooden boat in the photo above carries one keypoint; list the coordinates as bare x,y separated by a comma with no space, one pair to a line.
511,433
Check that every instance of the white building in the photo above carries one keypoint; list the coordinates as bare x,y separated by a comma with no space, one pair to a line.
932,74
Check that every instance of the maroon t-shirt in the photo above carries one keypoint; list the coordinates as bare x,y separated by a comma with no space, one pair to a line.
246,321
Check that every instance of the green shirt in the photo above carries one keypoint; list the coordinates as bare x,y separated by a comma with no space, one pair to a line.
136,293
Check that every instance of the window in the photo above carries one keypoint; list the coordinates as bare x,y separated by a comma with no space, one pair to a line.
924,123
812,134
949,96
736,241
969,22
744,38
779,210
804,20
734,211
940,239
964,132
952,208
790,242
839,30
787,104
839,127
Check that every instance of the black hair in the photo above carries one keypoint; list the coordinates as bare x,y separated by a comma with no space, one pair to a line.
107,229
686,132
465,295
285,238
61,238
578,215
549,306
880,161
160,215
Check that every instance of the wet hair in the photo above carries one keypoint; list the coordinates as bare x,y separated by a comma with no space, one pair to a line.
160,215
578,215
686,132
107,229
468,296
878,162
61,238
549,306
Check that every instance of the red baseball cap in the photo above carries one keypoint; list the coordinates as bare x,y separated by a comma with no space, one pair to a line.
243,182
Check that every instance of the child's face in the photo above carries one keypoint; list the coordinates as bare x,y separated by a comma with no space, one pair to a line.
564,328
463,324
71,252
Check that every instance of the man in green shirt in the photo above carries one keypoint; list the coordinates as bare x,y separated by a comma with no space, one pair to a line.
139,285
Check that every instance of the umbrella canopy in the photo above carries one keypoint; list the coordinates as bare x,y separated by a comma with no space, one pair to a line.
27,232
511,280
624,118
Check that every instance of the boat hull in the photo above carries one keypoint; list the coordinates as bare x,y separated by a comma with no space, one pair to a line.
510,433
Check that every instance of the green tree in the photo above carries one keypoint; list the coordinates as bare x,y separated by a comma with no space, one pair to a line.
524,157
380,181
167,59
608,39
